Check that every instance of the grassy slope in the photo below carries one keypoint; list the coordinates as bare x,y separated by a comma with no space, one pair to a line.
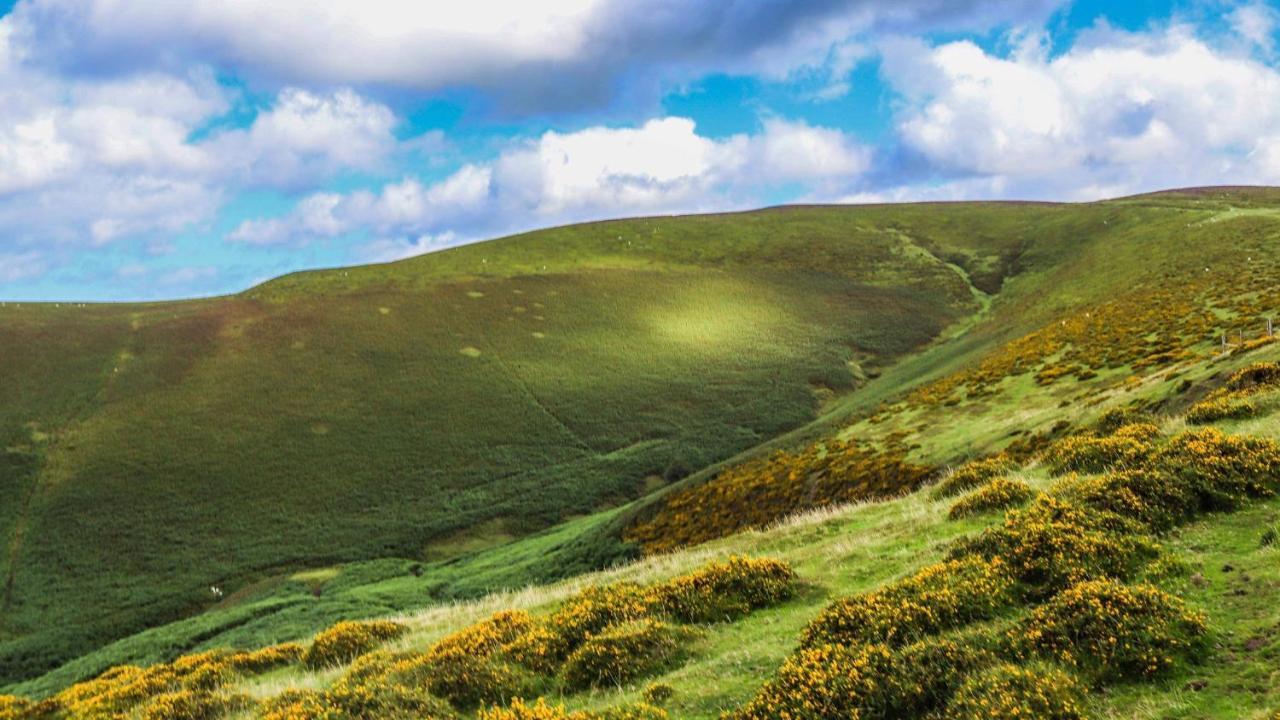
856,548
840,551
156,450
1062,257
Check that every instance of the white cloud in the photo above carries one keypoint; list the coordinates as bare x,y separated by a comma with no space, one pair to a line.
536,54
86,162
307,135
15,266
1124,112
661,166
1257,24
391,249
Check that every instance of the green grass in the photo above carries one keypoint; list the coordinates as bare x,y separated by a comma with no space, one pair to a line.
419,431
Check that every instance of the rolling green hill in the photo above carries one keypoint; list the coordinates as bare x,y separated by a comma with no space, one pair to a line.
412,432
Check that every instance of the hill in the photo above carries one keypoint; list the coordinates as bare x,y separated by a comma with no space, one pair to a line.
611,360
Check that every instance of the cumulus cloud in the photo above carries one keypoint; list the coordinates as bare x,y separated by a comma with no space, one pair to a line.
537,54
1119,113
88,161
663,165
1257,24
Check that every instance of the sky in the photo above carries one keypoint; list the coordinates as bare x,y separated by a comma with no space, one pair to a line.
152,149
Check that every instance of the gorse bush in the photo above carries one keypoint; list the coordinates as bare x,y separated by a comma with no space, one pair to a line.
823,682
347,640
997,494
763,491
658,693
191,705
1110,630
1222,470
351,700
1221,406
1115,418
541,710
468,680
1053,544
622,653
1233,401
1154,497
972,474
1011,692
268,658
1129,446
939,597
724,591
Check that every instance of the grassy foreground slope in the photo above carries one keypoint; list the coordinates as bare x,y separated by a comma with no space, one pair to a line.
432,407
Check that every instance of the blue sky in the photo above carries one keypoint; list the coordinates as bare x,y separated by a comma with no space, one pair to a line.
151,149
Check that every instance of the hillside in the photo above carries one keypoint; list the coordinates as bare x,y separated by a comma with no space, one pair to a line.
1214,563
426,415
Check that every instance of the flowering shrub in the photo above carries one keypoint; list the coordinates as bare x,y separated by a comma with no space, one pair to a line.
1221,406
588,612
347,700
1129,446
1115,418
1053,544
468,680
268,658
191,705
1113,631
769,489
997,494
15,708
621,653
384,701
928,672
468,668
521,710
972,474
1158,499
1232,401
1255,377
825,681
116,692
724,591
1007,692
488,635
658,693
295,705
1223,470
939,597
346,641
